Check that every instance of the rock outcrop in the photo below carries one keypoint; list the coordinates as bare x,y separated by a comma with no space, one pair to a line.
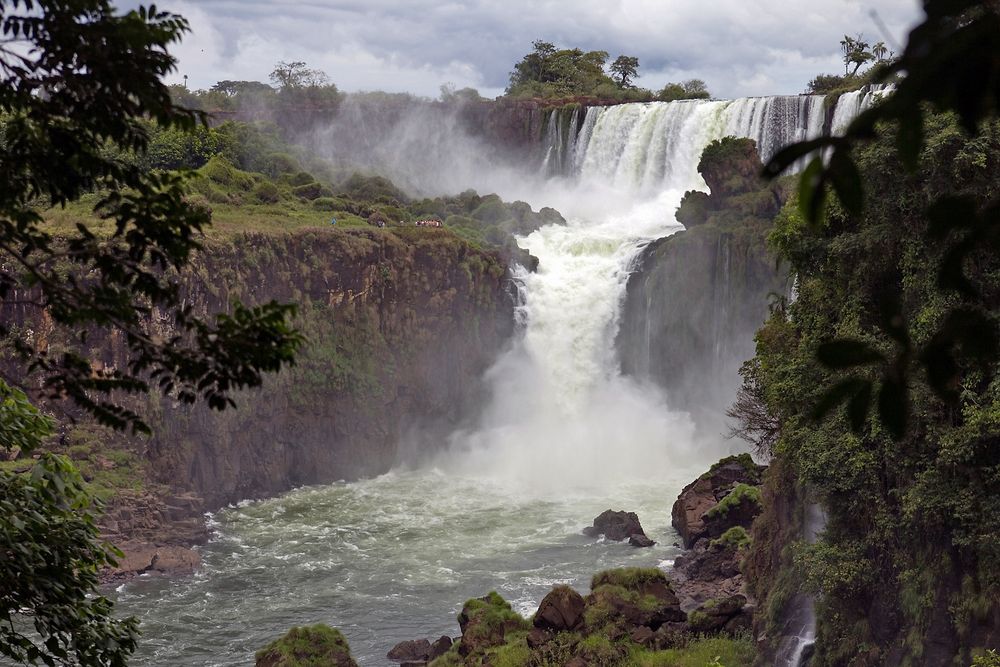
618,526
725,496
697,297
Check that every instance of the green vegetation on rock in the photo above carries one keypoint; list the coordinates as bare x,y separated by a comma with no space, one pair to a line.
308,646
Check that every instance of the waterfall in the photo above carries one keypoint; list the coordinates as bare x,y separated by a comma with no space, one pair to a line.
850,105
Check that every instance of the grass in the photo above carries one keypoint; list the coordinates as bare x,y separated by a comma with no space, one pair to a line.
708,652
630,578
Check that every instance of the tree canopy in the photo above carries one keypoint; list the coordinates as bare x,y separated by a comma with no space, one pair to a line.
81,88
552,72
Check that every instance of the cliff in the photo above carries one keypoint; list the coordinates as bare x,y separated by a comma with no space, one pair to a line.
697,297
400,326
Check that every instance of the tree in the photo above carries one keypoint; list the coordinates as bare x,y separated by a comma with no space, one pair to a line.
624,69
234,88
856,52
951,63
51,553
297,75
692,89
80,86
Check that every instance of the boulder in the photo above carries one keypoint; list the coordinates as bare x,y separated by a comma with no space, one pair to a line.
629,598
175,560
713,616
616,526
414,650
560,610
440,647
142,557
702,495
640,541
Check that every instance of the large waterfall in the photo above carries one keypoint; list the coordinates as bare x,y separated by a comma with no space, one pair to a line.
565,436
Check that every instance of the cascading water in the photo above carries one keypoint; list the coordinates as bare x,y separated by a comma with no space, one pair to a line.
566,436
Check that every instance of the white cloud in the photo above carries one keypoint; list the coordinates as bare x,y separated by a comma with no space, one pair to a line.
739,47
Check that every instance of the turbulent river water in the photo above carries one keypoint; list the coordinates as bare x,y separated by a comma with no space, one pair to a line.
564,437
392,558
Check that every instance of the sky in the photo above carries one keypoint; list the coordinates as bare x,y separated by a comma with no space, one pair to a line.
738,47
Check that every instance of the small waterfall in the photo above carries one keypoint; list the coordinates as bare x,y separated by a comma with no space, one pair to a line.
799,635
850,105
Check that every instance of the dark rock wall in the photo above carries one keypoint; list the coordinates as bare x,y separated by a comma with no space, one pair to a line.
400,326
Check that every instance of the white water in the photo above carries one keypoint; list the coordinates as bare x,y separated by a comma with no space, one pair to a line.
565,437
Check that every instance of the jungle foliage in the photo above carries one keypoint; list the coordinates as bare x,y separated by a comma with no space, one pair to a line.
898,291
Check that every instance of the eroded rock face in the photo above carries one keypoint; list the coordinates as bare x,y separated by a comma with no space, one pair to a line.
619,526
698,498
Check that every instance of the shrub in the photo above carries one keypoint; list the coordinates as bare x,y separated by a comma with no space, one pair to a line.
267,192
311,191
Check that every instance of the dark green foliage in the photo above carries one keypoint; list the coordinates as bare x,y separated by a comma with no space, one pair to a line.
52,555
267,192
692,89
372,188
308,646
951,62
75,111
310,191
624,69
548,72
912,511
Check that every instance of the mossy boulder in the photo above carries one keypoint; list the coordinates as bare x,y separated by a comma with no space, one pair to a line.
486,622
624,599
312,646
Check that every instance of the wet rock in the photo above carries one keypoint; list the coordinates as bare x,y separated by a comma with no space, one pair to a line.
315,645
175,560
538,638
560,610
141,557
616,526
414,650
640,541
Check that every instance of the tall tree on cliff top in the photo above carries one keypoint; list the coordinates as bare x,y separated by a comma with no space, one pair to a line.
78,79
624,69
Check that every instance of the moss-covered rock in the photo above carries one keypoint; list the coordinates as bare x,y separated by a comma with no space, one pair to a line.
312,646
623,599
488,622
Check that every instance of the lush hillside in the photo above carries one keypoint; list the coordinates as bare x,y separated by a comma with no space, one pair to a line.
905,570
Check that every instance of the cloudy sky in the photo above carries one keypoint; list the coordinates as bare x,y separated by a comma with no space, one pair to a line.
739,47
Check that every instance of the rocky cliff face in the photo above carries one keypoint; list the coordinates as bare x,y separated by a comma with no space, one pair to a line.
400,326
697,297
399,332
